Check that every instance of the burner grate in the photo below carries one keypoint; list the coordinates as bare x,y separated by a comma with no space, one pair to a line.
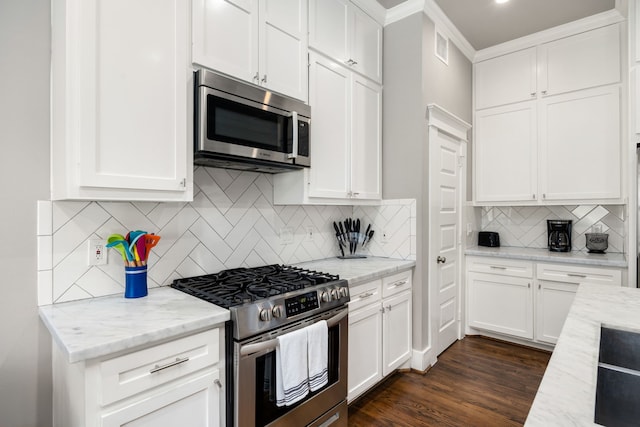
239,286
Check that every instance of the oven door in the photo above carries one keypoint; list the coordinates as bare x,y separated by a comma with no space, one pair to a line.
255,394
236,126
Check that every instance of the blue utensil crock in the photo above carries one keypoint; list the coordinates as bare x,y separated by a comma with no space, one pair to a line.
135,282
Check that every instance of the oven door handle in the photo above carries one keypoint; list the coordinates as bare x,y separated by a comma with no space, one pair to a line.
271,344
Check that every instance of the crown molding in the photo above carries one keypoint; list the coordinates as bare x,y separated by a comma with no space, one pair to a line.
441,21
373,9
609,17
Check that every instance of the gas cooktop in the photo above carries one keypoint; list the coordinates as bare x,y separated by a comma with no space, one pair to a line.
239,286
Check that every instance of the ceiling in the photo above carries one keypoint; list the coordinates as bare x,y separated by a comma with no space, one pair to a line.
485,23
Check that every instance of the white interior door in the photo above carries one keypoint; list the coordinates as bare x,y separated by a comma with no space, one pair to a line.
445,188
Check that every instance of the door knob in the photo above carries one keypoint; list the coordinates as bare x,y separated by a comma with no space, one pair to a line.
441,260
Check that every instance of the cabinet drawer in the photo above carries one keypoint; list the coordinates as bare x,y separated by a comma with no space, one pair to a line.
579,274
142,370
396,283
506,267
365,294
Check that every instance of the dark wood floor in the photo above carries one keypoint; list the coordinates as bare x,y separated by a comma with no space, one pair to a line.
476,382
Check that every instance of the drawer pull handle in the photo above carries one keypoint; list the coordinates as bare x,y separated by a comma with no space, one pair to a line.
497,267
399,283
168,365
582,276
367,295
218,383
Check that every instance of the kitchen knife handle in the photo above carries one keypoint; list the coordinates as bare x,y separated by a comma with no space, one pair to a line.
294,124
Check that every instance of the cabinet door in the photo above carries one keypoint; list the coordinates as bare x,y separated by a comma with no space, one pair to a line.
505,154
500,304
365,350
396,331
120,99
366,138
194,403
328,28
225,37
582,61
580,145
329,98
505,79
283,47
553,302
366,46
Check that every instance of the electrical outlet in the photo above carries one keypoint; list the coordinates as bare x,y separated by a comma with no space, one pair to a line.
286,235
309,233
97,252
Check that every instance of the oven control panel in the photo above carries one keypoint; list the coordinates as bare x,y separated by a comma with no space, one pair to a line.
301,303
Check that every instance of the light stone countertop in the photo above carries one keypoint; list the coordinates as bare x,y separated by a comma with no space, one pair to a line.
359,270
96,327
566,396
612,259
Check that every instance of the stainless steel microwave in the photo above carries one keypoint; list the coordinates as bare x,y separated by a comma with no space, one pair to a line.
240,126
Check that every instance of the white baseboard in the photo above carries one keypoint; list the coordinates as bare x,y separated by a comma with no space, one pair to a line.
421,360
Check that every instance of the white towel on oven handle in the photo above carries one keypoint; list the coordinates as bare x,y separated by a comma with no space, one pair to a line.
318,341
292,372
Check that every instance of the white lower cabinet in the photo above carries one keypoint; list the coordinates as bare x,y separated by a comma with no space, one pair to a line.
524,299
379,330
179,382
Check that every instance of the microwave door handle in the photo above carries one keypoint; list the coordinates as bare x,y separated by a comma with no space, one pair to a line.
294,125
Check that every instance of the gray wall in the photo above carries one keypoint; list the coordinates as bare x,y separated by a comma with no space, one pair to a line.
25,345
413,78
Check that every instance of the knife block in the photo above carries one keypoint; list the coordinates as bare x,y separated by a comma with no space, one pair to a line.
353,237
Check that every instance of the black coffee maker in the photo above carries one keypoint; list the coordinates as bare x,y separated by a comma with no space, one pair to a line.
559,234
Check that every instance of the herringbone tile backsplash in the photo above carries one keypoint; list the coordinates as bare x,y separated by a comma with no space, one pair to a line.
526,226
231,222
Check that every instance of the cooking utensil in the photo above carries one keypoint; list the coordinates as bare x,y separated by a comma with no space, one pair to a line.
118,242
133,238
150,241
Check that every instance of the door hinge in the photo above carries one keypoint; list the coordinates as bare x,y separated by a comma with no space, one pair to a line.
460,161
183,183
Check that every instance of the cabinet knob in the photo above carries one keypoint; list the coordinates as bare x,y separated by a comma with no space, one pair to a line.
533,94
389,307
544,92
534,196
256,78
218,383
441,259
264,79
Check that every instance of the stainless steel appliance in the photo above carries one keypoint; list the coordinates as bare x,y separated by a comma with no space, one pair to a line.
240,126
559,234
266,302
489,238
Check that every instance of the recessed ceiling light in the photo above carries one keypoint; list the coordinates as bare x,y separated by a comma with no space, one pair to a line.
501,1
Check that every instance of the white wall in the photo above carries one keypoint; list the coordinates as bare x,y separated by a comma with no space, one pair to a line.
25,352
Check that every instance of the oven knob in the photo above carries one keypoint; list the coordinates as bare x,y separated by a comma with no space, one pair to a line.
334,294
325,296
344,292
276,311
265,315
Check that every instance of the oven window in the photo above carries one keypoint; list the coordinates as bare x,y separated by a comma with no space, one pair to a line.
266,408
236,123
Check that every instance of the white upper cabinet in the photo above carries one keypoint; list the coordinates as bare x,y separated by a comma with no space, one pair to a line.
506,160
263,42
506,79
342,31
555,138
346,140
121,100
580,146
582,61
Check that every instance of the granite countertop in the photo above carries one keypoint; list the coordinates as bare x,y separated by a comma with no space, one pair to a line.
359,270
96,327
568,390
612,259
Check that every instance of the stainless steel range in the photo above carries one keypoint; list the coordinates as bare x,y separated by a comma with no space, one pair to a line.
266,302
